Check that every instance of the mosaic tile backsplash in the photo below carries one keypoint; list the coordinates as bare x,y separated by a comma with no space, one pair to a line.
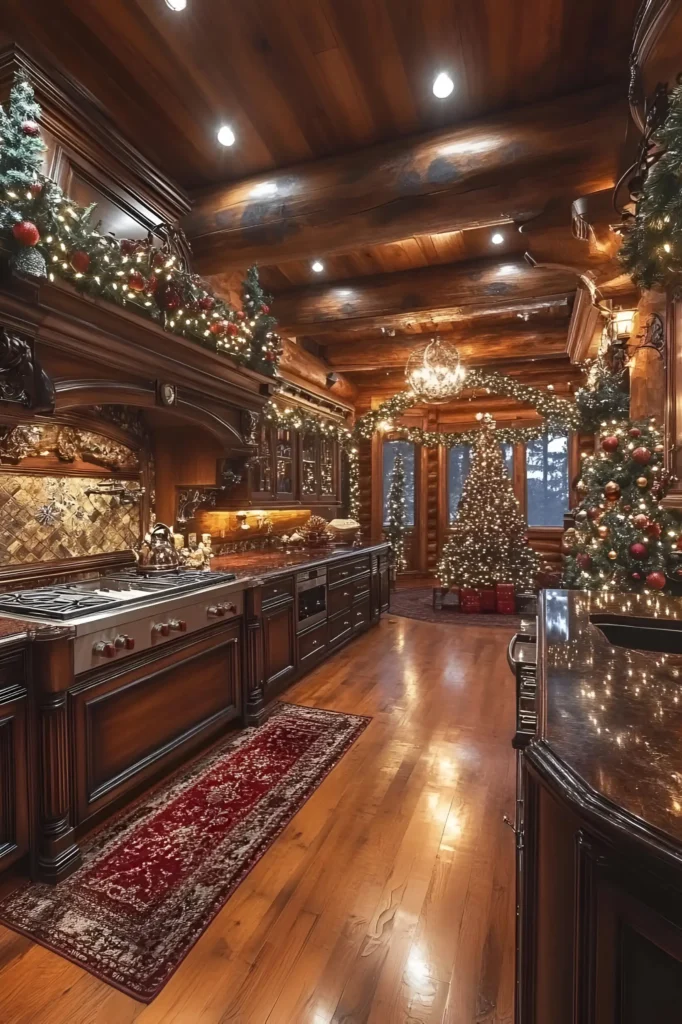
50,517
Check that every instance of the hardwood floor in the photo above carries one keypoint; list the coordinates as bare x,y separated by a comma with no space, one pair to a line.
389,899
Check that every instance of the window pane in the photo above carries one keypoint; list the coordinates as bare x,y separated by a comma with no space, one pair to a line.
508,456
459,460
406,449
547,480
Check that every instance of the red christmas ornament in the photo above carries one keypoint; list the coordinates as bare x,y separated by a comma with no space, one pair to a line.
35,188
635,432
265,309
642,456
80,261
270,357
128,246
206,302
641,521
217,327
31,129
171,300
654,529
638,550
593,513
584,561
612,490
656,580
609,444
151,285
136,282
636,575
241,315
26,233
159,259
232,329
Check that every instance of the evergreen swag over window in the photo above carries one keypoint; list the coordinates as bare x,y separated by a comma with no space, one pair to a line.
51,235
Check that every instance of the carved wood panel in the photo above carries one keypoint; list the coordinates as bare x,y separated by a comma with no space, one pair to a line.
279,639
13,782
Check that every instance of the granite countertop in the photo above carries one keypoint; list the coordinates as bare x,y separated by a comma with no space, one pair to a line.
273,563
610,714
12,629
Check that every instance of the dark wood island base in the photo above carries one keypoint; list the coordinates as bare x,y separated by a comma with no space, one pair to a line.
75,747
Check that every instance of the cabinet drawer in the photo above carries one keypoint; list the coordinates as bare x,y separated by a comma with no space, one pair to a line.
361,614
346,571
312,643
340,626
12,671
360,587
278,590
340,599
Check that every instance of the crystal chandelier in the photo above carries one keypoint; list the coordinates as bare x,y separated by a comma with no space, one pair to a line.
434,373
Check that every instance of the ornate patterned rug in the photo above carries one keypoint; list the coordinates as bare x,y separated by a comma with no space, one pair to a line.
417,603
154,878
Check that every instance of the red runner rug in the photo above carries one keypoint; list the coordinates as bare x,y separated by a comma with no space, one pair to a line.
154,878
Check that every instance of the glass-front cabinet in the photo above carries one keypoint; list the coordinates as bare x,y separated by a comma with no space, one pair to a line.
292,466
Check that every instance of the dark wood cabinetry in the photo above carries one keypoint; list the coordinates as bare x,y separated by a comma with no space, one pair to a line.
279,644
294,467
14,800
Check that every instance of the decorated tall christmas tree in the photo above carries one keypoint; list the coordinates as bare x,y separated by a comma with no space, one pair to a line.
623,539
397,513
488,543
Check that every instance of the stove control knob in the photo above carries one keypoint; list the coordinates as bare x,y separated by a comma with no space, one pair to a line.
125,642
161,629
229,607
105,649
216,611
178,625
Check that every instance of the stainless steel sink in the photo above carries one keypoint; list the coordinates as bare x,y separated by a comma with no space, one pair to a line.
663,636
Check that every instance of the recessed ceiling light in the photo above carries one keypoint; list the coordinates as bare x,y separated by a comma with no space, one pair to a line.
226,136
497,238
317,267
176,5
443,85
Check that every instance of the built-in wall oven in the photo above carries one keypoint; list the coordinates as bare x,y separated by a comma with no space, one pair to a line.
311,597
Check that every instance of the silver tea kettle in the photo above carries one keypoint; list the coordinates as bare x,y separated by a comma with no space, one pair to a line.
158,554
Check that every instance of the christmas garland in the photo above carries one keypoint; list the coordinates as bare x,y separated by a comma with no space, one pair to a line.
51,235
560,414
651,252
309,423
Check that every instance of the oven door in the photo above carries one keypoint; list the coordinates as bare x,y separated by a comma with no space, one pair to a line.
312,602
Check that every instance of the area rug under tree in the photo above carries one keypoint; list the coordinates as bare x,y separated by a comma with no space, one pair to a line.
417,603
153,879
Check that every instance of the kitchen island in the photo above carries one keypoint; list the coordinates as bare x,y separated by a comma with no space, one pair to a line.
105,691
599,814
301,607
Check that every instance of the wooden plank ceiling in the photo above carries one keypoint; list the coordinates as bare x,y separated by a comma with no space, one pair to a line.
344,155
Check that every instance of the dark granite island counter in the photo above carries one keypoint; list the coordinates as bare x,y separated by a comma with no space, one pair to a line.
599,823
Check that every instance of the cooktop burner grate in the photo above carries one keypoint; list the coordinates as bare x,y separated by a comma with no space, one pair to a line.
183,579
55,603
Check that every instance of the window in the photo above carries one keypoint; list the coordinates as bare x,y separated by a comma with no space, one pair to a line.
406,449
459,460
547,481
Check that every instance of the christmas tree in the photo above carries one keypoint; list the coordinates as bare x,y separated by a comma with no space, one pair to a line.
623,539
488,542
397,513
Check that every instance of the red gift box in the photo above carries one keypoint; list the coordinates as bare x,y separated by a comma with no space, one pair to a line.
488,599
470,600
506,598
506,608
505,590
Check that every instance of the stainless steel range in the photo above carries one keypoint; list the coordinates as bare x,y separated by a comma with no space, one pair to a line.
116,615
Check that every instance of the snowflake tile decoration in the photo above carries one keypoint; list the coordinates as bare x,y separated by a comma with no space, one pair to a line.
49,514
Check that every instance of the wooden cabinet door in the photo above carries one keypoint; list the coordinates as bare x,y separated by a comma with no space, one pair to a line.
13,781
279,643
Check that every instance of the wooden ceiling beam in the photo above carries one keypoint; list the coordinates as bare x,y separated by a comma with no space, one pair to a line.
475,348
447,292
499,168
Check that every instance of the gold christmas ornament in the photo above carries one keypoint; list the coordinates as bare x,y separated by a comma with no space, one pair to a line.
613,555
612,490
642,481
603,531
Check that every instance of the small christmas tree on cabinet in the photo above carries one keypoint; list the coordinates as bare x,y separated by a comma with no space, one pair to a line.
488,542
623,539
397,514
